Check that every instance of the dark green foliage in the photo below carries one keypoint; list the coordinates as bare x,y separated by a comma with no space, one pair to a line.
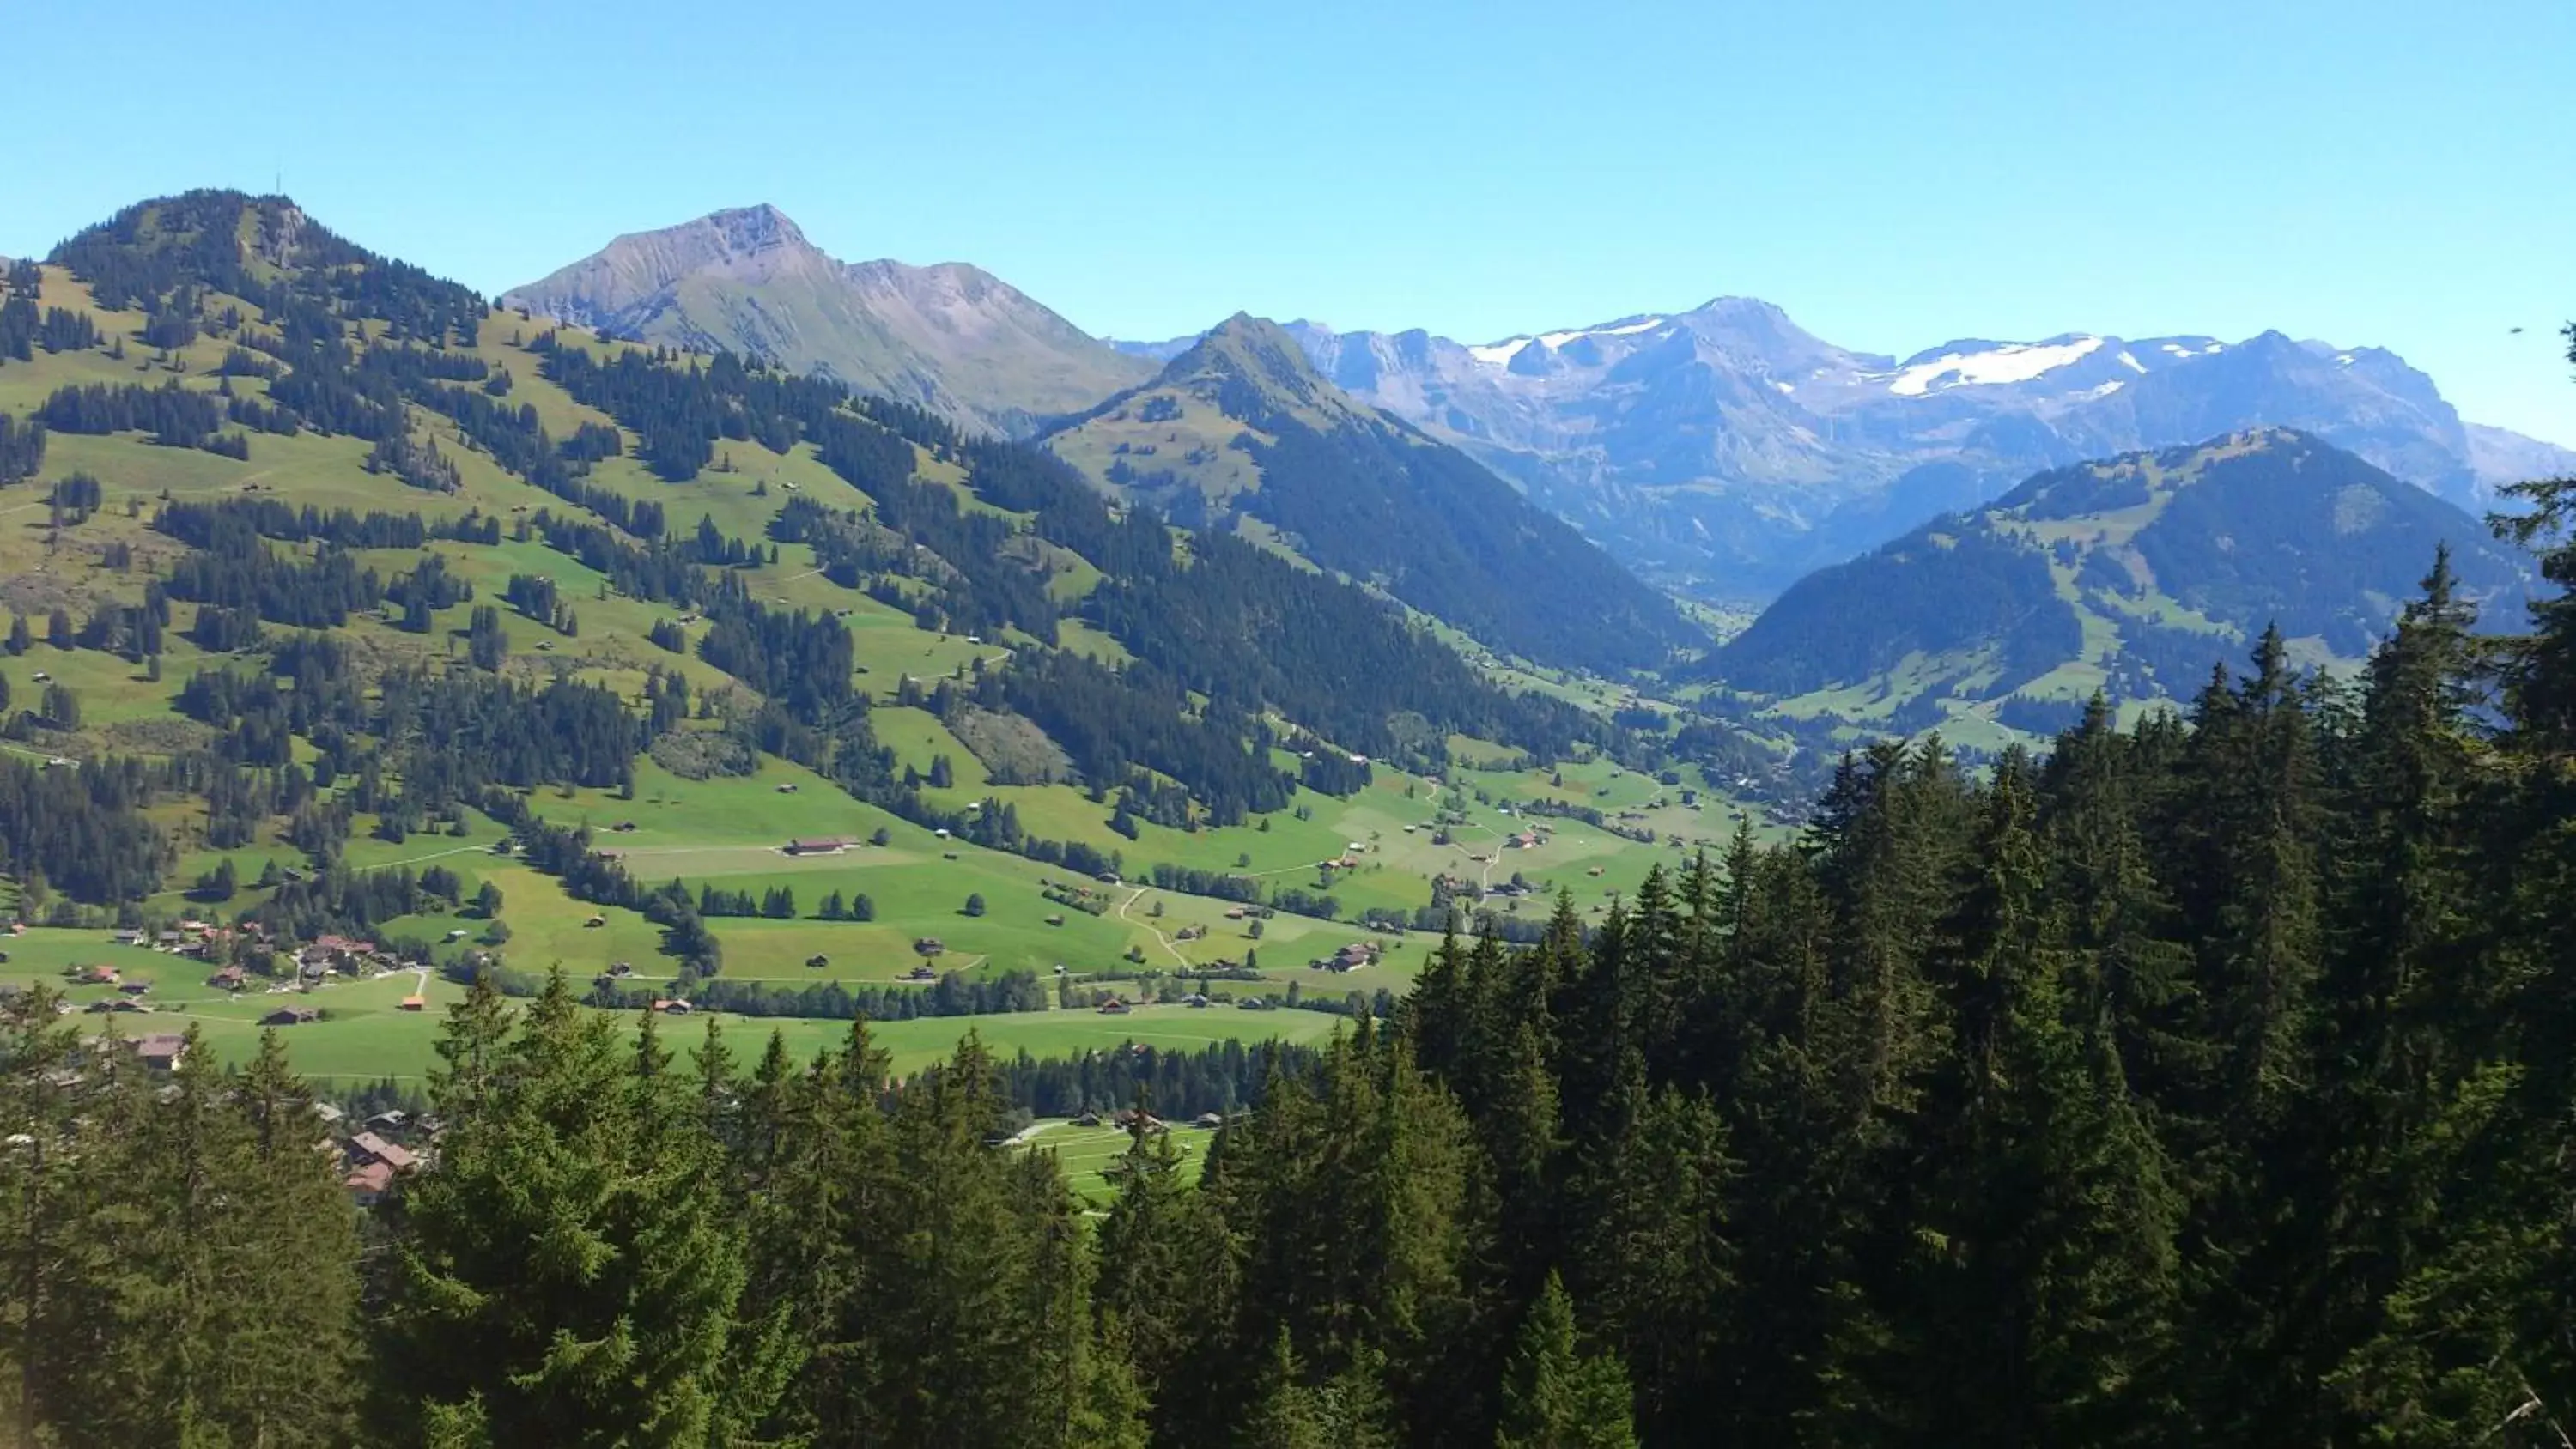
1554,1395
22,448
154,1219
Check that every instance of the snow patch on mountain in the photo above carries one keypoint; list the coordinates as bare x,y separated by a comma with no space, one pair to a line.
2011,362
1500,354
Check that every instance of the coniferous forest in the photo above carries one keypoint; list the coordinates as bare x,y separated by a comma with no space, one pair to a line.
2211,1081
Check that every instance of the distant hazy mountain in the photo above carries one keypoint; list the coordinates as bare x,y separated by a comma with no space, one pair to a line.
1729,451
1241,430
2506,457
950,337
2133,576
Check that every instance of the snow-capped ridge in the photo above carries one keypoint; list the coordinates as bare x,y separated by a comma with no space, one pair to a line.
1500,354
2002,363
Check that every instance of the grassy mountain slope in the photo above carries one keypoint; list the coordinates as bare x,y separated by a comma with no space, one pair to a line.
2133,576
1036,687
950,338
1240,431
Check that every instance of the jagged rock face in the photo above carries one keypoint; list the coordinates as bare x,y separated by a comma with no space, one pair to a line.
949,337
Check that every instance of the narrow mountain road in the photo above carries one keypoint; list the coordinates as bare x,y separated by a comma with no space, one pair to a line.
1149,925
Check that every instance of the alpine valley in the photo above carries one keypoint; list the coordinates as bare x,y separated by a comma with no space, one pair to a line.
2086,966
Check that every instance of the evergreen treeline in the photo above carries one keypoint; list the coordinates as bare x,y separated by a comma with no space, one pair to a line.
233,569
953,994
2203,1083
22,449
184,1268
176,417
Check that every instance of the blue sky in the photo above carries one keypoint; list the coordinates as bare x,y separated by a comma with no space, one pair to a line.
1895,175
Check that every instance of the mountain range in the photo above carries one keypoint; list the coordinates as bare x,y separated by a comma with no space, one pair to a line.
1722,451
1727,451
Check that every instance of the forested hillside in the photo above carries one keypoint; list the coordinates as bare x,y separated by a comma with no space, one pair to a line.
2132,576
344,606
1202,655
1240,432
2206,1082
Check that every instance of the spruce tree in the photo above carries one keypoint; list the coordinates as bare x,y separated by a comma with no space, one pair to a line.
1555,1396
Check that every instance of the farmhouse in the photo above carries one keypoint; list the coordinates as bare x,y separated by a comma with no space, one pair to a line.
1349,958
290,1016
674,1006
367,1147
99,976
1114,1007
413,1002
229,978
161,1050
822,845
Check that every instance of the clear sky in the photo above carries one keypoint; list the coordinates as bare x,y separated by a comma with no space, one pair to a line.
1895,175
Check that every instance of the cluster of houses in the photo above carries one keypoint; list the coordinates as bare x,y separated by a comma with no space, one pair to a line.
315,961
193,939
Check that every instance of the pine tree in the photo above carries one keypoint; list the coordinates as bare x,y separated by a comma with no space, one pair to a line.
2038,1293
569,1262
1554,1395
1165,1280
1653,1256
1284,1413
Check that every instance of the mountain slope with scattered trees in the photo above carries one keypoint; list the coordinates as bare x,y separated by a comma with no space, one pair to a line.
2133,576
1241,432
